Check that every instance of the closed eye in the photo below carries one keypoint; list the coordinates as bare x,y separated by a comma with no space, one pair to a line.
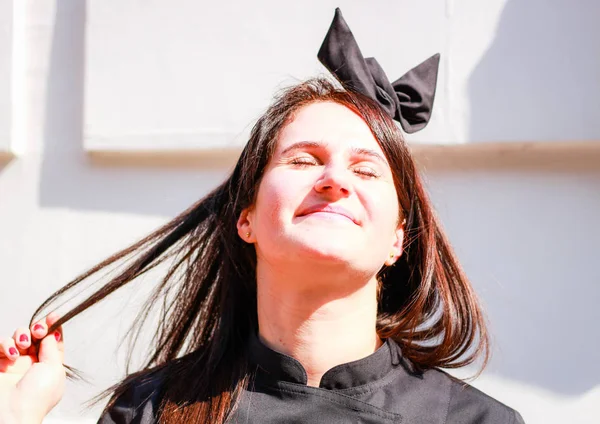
304,161
367,172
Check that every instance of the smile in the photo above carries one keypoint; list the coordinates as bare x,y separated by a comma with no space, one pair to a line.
328,211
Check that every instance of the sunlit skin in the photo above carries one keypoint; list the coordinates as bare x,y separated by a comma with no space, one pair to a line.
32,379
325,220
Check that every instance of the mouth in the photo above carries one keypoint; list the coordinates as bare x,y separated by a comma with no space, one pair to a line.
329,211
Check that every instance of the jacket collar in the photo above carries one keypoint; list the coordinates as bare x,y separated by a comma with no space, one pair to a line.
276,366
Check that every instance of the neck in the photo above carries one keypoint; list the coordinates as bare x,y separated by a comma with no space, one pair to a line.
319,322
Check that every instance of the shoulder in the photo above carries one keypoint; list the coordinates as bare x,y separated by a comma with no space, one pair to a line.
466,404
138,403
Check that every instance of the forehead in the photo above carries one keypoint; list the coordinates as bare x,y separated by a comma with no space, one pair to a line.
331,123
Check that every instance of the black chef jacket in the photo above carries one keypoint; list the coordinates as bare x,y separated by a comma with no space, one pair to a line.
381,388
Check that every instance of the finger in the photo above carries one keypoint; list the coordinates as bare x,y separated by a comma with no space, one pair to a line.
58,333
51,318
49,351
58,336
22,338
18,366
39,330
8,348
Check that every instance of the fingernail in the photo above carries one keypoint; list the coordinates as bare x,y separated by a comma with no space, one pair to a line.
23,338
38,327
57,336
13,351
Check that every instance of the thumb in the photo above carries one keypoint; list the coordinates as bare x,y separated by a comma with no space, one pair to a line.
42,386
49,352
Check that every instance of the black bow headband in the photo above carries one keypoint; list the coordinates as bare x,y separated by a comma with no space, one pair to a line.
408,100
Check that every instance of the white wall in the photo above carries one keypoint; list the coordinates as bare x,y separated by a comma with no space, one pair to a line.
523,217
5,76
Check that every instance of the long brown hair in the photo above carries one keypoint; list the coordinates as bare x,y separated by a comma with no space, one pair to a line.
426,303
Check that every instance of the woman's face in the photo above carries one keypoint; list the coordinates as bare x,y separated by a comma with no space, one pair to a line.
327,195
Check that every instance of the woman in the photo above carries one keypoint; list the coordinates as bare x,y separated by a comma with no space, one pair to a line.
314,285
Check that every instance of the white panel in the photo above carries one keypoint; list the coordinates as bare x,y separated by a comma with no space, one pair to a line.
5,76
188,75
184,74
525,70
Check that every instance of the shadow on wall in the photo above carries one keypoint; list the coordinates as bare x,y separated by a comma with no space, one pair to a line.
69,178
540,77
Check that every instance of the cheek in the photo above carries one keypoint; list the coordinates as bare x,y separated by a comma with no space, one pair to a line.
275,202
382,209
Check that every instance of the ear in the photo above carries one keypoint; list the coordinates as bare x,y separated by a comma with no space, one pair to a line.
396,251
244,226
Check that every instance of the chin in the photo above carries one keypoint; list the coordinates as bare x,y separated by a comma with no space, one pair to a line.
327,249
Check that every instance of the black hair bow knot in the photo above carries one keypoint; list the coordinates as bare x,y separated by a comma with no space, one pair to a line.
409,99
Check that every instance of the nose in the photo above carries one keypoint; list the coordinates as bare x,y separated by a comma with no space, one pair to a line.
334,181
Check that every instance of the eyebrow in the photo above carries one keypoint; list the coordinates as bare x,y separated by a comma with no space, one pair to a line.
302,145
368,152
359,151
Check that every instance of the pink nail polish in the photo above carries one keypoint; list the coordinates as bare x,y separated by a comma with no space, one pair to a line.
23,338
57,336
13,351
38,327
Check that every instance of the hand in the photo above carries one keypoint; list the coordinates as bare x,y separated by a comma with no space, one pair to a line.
32,376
